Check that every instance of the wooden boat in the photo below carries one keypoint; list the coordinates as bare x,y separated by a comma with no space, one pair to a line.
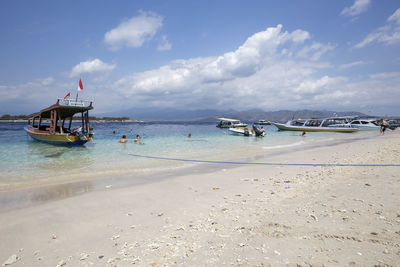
334,124
230,123
48,125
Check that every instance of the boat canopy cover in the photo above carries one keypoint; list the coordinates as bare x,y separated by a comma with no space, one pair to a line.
64,111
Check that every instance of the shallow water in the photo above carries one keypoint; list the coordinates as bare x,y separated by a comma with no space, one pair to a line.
24,161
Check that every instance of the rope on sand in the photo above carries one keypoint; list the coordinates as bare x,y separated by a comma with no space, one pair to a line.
268,163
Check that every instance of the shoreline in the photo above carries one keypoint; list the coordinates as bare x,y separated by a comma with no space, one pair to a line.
242,215
31,193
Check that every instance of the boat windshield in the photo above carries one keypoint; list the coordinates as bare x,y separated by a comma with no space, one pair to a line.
225,123
329,122
313,123
297,123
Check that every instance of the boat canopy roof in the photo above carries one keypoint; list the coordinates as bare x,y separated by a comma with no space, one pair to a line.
226,119
66,108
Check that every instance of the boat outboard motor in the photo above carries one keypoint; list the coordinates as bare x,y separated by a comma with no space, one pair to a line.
78,133
257,131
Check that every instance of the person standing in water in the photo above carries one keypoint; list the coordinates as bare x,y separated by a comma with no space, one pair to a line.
384,125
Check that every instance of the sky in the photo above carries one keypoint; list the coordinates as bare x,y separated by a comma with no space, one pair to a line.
341,55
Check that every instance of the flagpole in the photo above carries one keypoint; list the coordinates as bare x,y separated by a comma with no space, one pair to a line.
76,100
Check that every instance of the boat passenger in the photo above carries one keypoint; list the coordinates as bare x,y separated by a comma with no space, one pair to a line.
123,139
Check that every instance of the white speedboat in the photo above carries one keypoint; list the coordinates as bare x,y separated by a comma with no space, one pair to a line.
230,123
247,131
334,124
365,124
263,122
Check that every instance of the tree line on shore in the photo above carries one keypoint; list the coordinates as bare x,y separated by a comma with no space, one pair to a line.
25,117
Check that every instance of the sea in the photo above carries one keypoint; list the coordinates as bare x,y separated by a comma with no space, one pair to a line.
25,162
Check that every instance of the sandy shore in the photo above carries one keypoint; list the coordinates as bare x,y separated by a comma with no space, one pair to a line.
243,215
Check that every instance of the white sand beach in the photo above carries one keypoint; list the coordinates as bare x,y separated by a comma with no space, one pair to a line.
248,215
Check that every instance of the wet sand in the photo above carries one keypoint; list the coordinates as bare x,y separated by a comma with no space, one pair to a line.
251,215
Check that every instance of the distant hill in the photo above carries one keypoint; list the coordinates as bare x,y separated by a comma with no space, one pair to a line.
209,115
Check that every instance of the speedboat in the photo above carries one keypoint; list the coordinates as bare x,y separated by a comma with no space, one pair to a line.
49,124
263,122
230,123
255,131
365,124
334,124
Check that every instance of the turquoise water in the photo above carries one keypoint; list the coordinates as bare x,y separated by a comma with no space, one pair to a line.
24,161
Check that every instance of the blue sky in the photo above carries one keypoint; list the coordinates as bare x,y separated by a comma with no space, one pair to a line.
333,55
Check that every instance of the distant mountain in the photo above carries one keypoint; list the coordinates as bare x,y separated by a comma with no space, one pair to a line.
168,114
209,115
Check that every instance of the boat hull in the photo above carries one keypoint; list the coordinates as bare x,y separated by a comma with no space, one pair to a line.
241,131
285,127
57,139
241,125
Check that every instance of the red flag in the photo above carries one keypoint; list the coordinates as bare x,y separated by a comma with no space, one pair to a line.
80,87
68,95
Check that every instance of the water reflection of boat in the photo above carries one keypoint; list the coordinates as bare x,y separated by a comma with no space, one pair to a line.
59,160
334,124
230,123
54,131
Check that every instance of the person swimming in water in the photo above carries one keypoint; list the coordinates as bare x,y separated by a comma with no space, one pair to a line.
123,139
137,140
303,134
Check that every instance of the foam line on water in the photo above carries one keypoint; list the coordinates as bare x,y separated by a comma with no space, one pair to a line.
283,146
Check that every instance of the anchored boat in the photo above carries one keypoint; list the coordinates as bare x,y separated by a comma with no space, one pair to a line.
255,131
230,123
49,125
263,122
334,124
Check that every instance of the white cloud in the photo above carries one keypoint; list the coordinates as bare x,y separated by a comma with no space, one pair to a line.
258,69
91,66
385,75
47,81
395,17
164,45
135,31
358,7
272,69
245,61
315,51
353,64
388,34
